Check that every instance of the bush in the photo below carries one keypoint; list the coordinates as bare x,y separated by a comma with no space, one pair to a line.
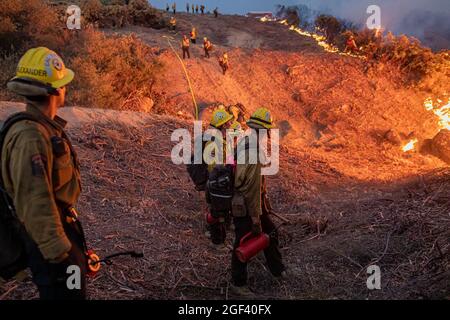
117,13
329,25
25,23
111,72
418,65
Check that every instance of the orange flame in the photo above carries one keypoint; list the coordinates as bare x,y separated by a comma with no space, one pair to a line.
442,112
321,40
410,145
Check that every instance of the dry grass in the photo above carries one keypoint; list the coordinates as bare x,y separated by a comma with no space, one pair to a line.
135,198
116,72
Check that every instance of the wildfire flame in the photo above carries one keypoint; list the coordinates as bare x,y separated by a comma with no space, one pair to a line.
320,39
410,145
442,112
267,19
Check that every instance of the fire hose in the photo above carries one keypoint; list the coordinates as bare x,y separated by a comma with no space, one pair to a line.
187,77
93,260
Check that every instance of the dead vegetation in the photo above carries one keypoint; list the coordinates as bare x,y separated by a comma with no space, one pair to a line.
135,198
116,72
418,65
341,163
115,14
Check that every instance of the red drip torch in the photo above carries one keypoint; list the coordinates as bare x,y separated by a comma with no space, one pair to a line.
210,219
250,246
93,263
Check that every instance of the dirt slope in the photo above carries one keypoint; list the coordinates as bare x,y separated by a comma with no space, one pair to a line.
329,106
383,206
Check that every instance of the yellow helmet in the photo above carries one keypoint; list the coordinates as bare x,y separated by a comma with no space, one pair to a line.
261,118
219,118
44,66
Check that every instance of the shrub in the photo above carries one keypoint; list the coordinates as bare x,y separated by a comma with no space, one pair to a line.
117,14
25,23
111,71
329,25
418,65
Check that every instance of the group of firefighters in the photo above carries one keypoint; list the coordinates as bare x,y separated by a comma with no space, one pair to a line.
186,41
40,174
207,46
250,208
195,9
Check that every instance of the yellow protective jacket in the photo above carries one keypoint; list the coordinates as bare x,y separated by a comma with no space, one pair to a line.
185,43
40,181
207,45
209,146
250,188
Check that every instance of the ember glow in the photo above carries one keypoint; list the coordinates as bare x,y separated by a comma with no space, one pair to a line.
410,145
320,39
440,110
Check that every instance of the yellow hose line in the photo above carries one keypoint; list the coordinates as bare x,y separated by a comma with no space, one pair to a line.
187,77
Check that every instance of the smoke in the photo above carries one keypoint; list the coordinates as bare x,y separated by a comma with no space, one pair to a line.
429,21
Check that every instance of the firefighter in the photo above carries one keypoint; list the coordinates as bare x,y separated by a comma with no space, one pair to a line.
351,46
185,47
207,46
220,120
253,216
187,7
202,9
174,8
196,8
173,23
40,172
224,63
194,36
216,12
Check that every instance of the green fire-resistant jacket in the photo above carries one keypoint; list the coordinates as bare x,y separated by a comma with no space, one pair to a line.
41,182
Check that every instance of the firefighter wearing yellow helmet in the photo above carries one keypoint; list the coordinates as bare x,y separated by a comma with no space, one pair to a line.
261,119
41,175
207,47
222,121
220,117
253,213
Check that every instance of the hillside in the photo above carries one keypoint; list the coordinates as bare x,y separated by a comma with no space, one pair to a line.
337,163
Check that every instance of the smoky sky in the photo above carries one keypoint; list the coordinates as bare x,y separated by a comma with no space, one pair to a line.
419,18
